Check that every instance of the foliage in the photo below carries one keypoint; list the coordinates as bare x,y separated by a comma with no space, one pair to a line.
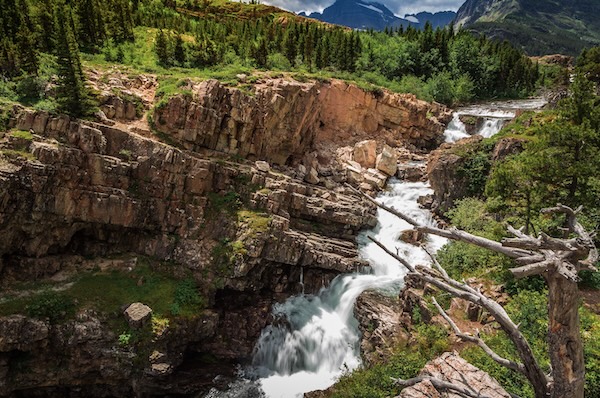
124,338
462,260
228,202
590,332
559,163
476,167
376,381
72,93
211,40
52,305
26,135
159,324
186,294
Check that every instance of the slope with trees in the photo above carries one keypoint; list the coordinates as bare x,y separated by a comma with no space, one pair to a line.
215,38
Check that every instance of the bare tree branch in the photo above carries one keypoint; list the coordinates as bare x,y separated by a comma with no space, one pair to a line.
517,367
451,233
435,262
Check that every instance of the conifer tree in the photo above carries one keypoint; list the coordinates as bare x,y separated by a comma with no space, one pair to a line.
25,40
72,94
161,47
91,27
44,25
179,51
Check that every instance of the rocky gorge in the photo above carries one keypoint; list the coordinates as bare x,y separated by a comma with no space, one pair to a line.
245,196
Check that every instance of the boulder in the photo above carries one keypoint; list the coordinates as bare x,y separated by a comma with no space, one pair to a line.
380,325
375,179
365,153
312,177
137,315
263,166
411,171
387,161
412,236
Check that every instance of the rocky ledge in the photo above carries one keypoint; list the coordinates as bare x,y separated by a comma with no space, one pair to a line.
282,120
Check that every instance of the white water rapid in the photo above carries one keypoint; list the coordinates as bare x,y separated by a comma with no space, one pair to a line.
317,339
494,115
321,341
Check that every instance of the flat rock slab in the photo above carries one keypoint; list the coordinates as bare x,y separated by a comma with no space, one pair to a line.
450,367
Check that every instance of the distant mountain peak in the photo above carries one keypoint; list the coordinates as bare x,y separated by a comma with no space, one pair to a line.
369,14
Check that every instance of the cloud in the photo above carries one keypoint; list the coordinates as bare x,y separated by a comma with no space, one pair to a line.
399,7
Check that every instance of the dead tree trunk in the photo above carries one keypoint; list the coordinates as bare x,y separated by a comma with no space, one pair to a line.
564,338
558,261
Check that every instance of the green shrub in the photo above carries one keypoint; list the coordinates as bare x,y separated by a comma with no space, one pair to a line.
186,294
278,61
124,338
52,305
590,326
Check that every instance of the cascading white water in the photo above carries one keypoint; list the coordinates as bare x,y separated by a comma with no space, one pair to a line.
494,115
317,341
320,339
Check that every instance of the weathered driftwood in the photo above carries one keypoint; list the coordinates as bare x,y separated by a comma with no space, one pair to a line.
558,260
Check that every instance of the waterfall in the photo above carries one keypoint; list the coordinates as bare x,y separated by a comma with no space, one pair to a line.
492,117
318,339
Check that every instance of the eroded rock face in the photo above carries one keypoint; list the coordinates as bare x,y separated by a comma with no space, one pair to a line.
284,119
350,114
278,122
380,324
443,171
95,191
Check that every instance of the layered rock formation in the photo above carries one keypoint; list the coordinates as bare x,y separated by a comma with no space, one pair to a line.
451,368
448,167
87,189
284,119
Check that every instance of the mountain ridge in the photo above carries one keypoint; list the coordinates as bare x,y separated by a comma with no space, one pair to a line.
540,27
366,14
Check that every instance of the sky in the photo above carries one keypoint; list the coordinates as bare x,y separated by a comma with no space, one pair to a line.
398,7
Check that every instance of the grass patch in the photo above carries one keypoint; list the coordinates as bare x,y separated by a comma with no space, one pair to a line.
26,135
376,381
18,153
257,221
107,292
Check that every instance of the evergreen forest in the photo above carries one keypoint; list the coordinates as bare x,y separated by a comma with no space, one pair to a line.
49,41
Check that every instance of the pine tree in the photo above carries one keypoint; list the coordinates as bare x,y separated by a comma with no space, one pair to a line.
260,53
161,47
25,41
91,27
179,51
45,25
72,94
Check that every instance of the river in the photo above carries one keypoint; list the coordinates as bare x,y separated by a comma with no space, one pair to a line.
319,341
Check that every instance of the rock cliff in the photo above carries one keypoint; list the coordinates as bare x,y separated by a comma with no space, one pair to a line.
72,189
282,120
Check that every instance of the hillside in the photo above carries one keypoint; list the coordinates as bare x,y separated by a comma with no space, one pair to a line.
538,26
